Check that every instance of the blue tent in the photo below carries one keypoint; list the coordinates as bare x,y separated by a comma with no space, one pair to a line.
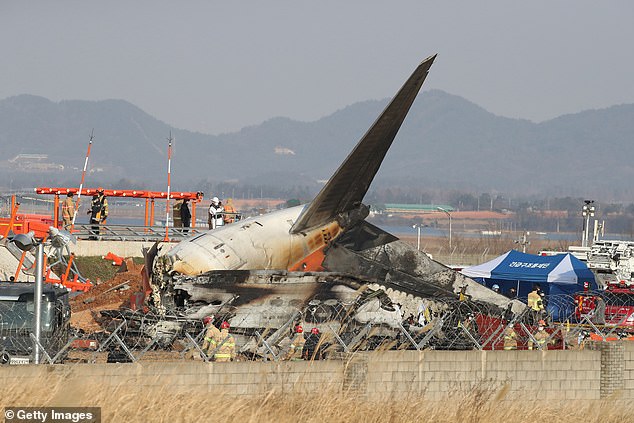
557,275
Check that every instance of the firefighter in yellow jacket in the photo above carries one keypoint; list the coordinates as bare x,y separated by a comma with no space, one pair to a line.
541,337
510,338
98,212
176,214
297,345
536,304
230,212
226,349
211,336
68,211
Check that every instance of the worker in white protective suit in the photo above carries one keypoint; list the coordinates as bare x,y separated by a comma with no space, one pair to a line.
216,214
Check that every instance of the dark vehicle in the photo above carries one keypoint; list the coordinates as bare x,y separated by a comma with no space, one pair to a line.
16,321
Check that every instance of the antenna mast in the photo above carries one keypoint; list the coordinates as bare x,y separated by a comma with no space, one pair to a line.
167,202
83,175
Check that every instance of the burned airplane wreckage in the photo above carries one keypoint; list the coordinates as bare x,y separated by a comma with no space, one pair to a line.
321,264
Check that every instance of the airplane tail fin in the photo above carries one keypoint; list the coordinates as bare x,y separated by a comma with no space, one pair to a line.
347,187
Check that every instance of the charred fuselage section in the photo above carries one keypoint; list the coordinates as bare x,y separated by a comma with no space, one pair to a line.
371,279
363,275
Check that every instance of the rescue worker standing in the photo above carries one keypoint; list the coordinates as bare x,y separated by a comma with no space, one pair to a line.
310,351
470,325
541,337
229,212
226,345
186,216
176,214
536,304
211,336
297,345
510,338
98,212
68,211
216,213
598,317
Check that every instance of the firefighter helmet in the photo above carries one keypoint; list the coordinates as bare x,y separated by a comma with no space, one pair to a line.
314,331
299,329
224,325
207,320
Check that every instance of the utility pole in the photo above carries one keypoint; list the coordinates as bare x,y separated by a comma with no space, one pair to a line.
417,227
523,241
448,215
81,184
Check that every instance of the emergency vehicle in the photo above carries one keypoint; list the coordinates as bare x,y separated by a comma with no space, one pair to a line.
619,305
16,320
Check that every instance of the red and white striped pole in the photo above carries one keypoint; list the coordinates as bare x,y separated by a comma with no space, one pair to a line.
81,184
167,202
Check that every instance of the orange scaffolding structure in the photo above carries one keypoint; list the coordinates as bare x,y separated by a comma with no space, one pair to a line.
149,196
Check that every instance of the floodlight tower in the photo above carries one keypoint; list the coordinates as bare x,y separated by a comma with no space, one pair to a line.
587,211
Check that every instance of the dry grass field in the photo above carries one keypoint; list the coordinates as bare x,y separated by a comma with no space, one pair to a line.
164,404
470,251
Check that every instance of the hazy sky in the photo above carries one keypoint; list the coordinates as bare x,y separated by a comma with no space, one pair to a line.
217,66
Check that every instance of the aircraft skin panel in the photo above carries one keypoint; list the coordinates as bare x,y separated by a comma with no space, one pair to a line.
347,187
261,242
258,242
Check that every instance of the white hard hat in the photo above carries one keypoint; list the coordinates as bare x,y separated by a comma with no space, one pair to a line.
495,287
215,200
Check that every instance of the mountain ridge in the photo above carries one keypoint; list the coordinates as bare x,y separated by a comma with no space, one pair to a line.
446,142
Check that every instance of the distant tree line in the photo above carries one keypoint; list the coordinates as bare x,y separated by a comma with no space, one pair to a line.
529,212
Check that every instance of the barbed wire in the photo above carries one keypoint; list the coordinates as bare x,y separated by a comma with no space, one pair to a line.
442,324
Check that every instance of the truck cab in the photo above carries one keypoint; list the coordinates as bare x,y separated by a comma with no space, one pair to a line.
619,305
16,320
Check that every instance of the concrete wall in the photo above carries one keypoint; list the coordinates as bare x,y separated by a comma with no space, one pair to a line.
541,375
602,370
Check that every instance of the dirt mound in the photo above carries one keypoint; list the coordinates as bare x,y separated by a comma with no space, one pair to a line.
108,295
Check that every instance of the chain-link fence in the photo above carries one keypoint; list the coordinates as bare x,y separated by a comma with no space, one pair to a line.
329,328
